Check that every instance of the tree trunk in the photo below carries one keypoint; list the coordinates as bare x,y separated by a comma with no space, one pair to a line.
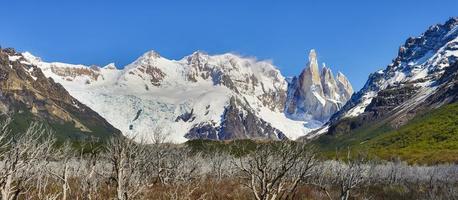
345,195
6,189
65,183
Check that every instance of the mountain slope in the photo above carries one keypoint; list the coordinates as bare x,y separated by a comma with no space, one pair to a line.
422,78
218,97
429,137
27,95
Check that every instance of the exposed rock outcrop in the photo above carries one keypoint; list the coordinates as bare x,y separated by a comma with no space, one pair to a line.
240,122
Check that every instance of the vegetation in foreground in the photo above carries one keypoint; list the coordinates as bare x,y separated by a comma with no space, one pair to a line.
33,166
429,138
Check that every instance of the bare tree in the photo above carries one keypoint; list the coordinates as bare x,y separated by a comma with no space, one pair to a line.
322,177
90,165
183,174
352,173
274,170
20,155
128,160
174,165
219,164
159,136
62,171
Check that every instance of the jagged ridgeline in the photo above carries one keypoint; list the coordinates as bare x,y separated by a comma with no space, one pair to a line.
27,96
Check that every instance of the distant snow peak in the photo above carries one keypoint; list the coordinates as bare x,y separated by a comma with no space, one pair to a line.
111,66
151,54
316,94
312,68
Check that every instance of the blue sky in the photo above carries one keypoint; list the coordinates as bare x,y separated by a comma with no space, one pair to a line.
355,37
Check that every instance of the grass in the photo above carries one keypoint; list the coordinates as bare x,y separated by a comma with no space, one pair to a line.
429,138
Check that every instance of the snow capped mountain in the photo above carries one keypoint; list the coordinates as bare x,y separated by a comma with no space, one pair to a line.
316,95
200,96
422,70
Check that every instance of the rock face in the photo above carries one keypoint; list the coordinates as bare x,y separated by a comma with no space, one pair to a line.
317,95
240,122
344,86
25,91
421,77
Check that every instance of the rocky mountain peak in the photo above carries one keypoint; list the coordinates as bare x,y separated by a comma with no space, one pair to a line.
326,73
329,84
344,85
312,68
146,68
151,54
198,62
198,54
310,80
416,48
110,66
340,75
316,94
148,58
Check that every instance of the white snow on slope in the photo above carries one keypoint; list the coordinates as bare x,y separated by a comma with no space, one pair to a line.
13,58
358,109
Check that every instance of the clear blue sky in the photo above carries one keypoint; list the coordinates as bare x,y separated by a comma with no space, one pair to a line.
355,37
